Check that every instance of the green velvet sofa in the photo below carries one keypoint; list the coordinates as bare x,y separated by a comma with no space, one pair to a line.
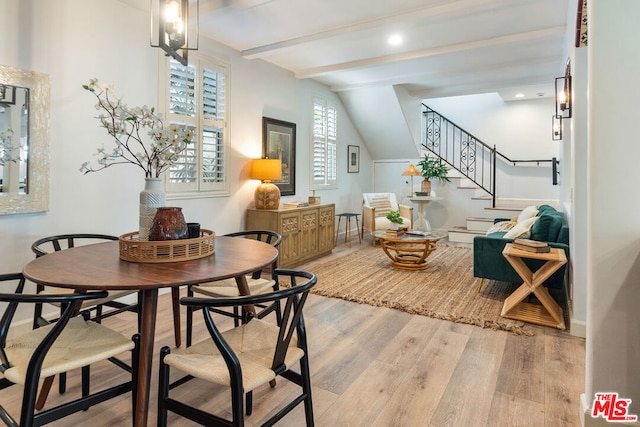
489,263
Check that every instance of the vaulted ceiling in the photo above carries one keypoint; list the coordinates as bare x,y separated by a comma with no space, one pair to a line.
449,47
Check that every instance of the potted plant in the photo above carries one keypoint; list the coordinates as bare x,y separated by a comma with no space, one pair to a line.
432,168
395,218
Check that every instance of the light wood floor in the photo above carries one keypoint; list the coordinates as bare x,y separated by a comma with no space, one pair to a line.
380,367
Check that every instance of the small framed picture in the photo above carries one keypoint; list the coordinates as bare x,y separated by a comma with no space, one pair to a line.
353,158
279,142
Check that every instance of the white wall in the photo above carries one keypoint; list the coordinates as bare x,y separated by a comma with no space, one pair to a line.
521,130
75,40
613,207
575,196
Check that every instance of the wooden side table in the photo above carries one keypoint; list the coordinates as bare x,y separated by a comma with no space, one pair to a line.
547,314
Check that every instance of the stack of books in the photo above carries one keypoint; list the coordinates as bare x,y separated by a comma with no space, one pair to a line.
531,246
290,205
395,233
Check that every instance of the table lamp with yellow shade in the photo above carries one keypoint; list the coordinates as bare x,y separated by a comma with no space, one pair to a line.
411,171
267,195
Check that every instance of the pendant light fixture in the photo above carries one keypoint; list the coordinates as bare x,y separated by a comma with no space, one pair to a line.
170,27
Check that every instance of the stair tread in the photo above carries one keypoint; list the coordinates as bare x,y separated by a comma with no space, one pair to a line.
506,208
477,218
462,229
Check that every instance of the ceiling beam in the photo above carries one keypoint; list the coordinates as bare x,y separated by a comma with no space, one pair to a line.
424,53
449,8
221,6
510,68
474,88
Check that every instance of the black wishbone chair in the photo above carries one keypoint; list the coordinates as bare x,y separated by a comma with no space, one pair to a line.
50,244
111,301
244,357
70,343
228,288
56,243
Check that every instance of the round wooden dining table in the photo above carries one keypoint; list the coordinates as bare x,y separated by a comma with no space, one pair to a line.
99,267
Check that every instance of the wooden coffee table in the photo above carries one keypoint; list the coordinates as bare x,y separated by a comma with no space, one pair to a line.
549,313
409,251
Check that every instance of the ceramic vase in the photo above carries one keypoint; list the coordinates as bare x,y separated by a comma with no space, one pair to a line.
151,198
425,186
168,224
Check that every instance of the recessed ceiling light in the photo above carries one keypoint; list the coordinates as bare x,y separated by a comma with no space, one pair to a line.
519,95
395,40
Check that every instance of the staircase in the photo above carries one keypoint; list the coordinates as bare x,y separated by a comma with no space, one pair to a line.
478,225
473,165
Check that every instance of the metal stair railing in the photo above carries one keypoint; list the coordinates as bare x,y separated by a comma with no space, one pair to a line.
461,150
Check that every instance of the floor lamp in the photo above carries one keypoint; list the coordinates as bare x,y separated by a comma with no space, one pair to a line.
411,171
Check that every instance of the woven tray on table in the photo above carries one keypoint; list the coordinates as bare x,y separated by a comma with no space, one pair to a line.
134,250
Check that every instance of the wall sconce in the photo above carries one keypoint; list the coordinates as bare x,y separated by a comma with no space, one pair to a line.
563,97
170,29
267,195
554,170
411,171
556,127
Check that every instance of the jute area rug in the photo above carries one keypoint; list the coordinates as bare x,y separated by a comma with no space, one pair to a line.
446,289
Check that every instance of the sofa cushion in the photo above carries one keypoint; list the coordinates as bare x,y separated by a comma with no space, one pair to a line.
501,226
547,227
522,229
546,208
528,212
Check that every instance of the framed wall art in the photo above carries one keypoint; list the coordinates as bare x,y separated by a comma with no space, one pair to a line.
279,142
353,158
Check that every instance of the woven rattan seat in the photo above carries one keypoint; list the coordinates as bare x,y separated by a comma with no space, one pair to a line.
229,288
81,343
254,344
71,342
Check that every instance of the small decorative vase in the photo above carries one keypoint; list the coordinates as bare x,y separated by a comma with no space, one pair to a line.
169,224
425,186
151,198
395,226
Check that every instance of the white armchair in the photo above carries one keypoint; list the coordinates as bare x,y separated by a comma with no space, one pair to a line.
374,212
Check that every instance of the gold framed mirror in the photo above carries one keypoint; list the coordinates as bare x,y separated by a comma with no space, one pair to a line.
24,141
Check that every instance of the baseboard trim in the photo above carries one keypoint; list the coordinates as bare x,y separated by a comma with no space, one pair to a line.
578,328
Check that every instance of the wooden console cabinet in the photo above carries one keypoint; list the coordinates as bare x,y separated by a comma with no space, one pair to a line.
307,232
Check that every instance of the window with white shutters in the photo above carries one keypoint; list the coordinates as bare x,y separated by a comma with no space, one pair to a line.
325,141
196,96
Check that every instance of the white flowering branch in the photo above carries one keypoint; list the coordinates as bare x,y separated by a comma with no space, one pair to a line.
125,125
7,148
